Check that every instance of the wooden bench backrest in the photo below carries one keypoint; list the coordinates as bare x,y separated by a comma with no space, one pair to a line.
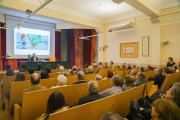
149,74
170,79
53,75
103,72
90,77
71,79
27,77
72,95
94,110
18,87
120,73
6,83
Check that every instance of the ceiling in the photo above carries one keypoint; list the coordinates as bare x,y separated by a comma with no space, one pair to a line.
100,10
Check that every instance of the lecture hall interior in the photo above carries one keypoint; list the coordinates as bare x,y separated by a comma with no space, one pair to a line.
89,59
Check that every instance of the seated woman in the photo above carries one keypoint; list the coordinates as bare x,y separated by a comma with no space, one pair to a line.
170,62
20,76
93,88
164,109
44,74
56,103
128,83
140,79
108,75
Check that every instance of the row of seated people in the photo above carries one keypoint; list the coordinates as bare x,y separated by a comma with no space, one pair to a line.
126,79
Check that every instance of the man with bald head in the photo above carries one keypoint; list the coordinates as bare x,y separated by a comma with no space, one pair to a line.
35,80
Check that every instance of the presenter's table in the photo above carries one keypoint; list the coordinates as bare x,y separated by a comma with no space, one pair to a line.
44,64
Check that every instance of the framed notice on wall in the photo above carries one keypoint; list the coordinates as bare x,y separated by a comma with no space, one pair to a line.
129,50
145,46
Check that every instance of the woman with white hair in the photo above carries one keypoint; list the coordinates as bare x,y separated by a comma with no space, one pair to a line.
93,88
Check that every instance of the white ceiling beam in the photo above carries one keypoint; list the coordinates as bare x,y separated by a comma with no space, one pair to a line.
147,7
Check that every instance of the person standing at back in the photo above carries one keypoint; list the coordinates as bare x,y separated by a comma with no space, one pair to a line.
170,62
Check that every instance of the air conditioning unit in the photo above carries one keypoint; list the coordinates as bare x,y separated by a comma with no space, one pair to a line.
121,27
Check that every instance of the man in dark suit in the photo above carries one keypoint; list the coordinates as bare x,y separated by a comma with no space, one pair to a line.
34,58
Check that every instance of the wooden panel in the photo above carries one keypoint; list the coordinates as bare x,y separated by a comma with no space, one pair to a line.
129,50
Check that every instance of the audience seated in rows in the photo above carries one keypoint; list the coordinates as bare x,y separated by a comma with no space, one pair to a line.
81,77
56,103
140,79
44,74
93,88
128,83
35,80
117,83
9,71
158,78
164,109
112,116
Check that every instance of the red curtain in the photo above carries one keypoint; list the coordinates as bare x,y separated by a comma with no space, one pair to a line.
93,46
78,47
58,45
3,46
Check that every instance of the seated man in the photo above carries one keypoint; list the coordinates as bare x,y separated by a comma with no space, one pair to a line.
35,80
93,93
128,83
90,70
140,79
117,86
23,69
81,77
34,58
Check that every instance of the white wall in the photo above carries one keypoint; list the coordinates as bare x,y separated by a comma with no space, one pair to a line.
114,40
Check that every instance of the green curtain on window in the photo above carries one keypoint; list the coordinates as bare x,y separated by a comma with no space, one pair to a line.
63,45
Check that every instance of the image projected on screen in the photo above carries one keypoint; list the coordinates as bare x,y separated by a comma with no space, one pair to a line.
28,41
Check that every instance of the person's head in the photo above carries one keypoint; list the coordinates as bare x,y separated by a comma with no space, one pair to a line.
24,66
164,109
80,75
57,67
90,68
98,77
74,68
111,63
93,86
117,81
140,76
128,80
35,79
158,71
62,80
133,72
174,93
7,66
48,69
31,70
111,116
44,74
39,65
142,69
109,74
20,76
61,69
170,59
105,65
55,101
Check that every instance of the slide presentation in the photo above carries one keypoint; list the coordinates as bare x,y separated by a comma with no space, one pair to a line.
28,41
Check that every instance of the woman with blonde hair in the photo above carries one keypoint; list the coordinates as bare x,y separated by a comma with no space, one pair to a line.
164,109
